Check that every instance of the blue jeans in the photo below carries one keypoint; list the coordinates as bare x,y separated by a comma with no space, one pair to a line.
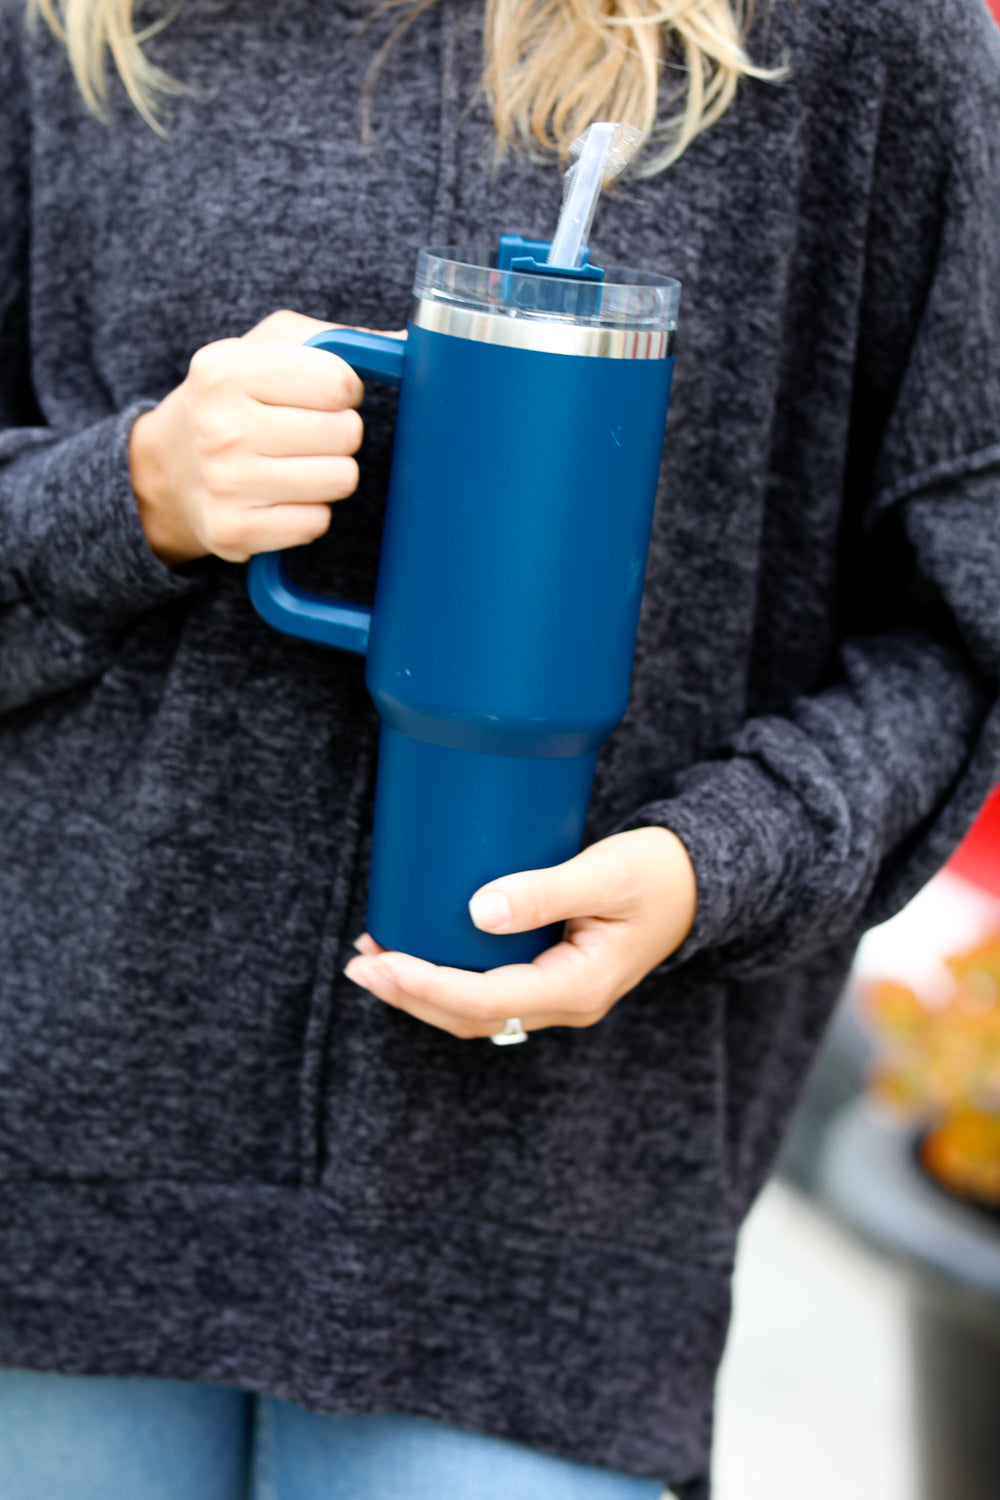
85,1437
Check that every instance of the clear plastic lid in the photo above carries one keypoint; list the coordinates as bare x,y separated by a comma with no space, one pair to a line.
626,299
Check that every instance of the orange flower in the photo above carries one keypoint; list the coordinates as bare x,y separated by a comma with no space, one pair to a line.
941,1065
963,1152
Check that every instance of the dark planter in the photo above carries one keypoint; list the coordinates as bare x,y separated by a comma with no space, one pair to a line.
950,1251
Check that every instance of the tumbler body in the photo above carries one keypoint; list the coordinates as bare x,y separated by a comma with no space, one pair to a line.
510,580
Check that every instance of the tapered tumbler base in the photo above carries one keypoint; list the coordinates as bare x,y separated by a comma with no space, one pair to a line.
448,821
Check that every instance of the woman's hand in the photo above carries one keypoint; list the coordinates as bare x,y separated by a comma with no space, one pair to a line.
248,454
628,902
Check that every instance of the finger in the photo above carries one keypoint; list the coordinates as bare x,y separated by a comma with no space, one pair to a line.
467,1029
565,979
293,375
268,530
285,326
597,883
265,482
294,432
470,1031
290,327
464,1027
367,944
460,1026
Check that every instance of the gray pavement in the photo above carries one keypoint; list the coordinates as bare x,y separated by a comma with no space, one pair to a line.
813,1396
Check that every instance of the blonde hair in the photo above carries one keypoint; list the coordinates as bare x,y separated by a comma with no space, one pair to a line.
554,66
550,67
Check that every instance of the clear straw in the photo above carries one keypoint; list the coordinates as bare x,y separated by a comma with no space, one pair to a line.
600,153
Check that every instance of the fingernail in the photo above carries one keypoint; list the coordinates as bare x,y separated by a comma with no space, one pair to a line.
490,909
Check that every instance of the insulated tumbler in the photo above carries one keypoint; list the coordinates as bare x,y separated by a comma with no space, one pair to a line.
524,469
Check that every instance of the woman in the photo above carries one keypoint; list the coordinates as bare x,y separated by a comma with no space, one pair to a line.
227,1164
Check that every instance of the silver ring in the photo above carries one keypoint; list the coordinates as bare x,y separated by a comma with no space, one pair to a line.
512,1032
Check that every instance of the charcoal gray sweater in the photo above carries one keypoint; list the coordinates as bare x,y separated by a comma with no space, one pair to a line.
220,1160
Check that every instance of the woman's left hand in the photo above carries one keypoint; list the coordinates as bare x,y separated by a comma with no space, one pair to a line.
628,902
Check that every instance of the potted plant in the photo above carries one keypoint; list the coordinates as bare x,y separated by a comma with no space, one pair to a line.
969,885
917,1173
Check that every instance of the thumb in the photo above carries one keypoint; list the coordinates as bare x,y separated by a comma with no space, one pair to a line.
589,884
286,327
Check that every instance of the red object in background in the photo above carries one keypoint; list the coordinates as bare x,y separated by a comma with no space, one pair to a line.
977,857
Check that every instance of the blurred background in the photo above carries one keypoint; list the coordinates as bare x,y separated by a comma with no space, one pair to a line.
864,1356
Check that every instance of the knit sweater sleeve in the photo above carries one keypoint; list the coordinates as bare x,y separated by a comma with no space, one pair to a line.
74,564
821,820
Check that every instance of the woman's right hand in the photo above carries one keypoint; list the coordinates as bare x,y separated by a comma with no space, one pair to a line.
250,451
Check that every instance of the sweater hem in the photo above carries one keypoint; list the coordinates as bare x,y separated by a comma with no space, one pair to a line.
285,1292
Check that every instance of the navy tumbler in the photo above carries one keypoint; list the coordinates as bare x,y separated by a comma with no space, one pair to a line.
524,471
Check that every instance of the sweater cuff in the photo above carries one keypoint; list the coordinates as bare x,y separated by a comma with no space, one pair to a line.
748,840
86,557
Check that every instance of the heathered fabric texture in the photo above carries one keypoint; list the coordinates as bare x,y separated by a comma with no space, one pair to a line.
222,1161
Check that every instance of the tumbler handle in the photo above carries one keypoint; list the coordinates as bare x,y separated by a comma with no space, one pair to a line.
295,611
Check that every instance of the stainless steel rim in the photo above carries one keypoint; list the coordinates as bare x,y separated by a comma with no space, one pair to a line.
542,335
